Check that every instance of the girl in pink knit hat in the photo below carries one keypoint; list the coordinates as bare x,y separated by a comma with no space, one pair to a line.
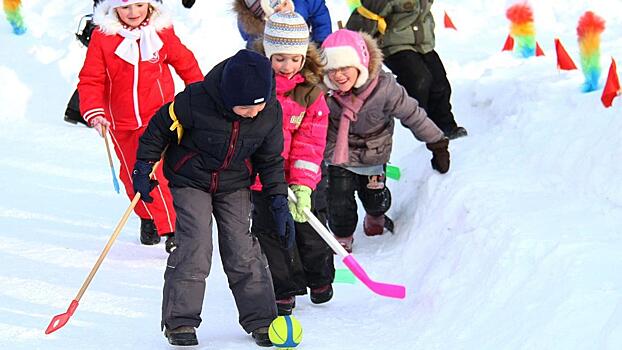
125,79
363,102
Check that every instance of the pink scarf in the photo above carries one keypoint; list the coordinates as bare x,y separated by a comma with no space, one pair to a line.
350,105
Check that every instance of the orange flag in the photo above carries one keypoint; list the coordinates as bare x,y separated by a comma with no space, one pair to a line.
448,22
539,51
564,62
509,44
612,87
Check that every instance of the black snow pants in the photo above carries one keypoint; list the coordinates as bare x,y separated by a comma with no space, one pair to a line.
309,263
424,78
342,208
189,265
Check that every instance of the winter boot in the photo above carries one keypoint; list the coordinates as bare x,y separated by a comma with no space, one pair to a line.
456,132
148,232
169,244
373,225
285,306
261,337
346,242
322,294
182,336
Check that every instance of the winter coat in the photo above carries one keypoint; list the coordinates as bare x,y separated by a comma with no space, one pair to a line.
305,120
370,137
314,12
113,88
219,150
410,25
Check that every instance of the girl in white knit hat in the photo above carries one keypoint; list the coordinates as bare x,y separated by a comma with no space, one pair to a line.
306,261
124,81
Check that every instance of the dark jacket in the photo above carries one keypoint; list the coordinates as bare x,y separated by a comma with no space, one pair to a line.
219,151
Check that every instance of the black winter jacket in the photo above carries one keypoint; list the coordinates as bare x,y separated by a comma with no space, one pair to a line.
219,150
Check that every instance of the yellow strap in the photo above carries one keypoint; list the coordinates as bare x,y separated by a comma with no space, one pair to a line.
176,124
382,24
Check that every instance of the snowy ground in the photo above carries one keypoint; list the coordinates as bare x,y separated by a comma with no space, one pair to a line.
517,247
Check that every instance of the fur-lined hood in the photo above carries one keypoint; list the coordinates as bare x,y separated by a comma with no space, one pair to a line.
248,21
375,56
312,70
110,24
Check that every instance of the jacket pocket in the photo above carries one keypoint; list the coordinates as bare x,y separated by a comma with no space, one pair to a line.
378,150
248,146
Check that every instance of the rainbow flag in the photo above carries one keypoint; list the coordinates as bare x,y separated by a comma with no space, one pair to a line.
588,30
14,16
522,29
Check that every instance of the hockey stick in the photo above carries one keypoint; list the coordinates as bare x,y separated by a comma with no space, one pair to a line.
60,320
384,289
115,182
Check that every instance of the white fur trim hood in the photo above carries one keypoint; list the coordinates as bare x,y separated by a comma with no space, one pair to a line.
110,24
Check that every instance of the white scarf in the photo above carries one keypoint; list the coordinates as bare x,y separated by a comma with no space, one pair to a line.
150,44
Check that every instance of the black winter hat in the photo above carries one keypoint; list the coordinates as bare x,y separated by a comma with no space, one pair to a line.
246,79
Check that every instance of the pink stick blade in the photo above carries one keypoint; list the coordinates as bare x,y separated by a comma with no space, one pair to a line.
384,289
59,321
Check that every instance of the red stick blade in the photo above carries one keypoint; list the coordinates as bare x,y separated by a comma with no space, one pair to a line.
60,320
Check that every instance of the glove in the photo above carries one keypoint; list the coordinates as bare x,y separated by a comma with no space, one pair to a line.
440,155
303,200
283,221
187,3
98,123
142,183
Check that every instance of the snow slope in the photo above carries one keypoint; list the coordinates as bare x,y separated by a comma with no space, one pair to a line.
517,247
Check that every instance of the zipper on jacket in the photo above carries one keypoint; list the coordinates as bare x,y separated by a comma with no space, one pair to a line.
235,131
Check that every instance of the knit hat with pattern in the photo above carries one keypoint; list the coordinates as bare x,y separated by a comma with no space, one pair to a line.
286,33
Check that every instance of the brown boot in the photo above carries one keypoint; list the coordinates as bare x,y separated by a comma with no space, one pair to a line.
373,225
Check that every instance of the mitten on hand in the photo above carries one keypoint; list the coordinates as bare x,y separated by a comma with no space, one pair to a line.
283,220
187,3
440,155
142,182
303,200
98,123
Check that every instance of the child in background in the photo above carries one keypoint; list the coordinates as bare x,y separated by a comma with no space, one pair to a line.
308,262
252,16
124,81
363,100
407,41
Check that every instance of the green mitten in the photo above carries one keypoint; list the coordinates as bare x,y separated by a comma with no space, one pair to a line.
303,196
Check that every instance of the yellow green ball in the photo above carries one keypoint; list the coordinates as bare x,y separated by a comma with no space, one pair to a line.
285,332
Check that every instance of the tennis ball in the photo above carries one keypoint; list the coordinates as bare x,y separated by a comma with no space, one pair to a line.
285,332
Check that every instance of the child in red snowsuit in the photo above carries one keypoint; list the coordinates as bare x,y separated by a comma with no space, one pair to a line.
124,81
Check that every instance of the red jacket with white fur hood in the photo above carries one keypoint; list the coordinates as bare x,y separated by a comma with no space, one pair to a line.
127,95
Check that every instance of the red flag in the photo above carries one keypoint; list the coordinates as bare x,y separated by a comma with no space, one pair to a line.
509,44
564,61
539,51
448,22
612,87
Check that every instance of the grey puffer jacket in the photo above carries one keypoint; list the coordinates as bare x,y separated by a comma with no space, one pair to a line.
370,137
